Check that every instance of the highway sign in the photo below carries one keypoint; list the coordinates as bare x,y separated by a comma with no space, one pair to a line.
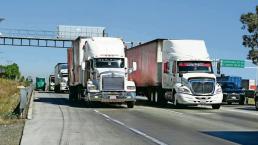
232,63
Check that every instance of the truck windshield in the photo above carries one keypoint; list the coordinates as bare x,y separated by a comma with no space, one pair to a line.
52,79
194,66
63,66
109,63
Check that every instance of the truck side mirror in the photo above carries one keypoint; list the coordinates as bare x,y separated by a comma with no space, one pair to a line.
126,63
83,65
180,75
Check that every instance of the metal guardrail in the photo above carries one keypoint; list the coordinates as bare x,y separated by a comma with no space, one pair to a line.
25,94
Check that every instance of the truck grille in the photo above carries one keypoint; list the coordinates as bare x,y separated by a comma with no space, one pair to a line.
112,83
202,86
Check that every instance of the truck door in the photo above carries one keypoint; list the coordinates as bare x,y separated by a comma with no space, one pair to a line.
171,74
168,75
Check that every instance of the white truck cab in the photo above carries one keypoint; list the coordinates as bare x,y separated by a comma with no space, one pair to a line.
188,71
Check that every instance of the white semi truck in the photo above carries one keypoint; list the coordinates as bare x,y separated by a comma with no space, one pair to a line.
179,71
61,77
51,83
98,71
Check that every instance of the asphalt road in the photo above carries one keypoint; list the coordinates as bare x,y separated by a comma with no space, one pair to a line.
56,122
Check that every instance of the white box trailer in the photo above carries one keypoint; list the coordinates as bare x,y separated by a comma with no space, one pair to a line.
179,71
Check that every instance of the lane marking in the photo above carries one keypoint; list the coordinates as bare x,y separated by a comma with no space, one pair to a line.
132,129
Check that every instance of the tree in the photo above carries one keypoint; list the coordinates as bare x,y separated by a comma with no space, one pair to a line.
250,22
12,71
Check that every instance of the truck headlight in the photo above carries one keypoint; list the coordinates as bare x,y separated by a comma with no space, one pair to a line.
91,87
218,91
184,90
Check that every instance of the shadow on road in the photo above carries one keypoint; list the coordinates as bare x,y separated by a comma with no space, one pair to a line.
79,104
171,106
239,137
249,108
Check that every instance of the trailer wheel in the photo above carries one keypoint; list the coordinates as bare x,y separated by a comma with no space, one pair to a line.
130,104
215,106
71,94
161,97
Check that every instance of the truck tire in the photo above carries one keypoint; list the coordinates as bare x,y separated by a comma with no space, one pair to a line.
242,100
71,94
130,104
215,106
161,98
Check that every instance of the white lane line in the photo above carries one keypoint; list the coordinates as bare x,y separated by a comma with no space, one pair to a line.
240,111
132,129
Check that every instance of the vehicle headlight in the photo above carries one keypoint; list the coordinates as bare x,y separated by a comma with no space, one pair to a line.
184,90
218,91
91,87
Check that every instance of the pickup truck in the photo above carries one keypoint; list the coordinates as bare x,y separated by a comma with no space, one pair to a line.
232,93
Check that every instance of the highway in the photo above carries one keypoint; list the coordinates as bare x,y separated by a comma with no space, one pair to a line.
57,122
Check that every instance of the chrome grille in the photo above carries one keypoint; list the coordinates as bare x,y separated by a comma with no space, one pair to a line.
202,86
112,83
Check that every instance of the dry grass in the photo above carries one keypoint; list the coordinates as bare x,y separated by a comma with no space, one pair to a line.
9,99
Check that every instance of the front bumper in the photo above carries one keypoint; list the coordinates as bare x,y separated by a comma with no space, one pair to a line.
231,97
112,97
63,88
188,99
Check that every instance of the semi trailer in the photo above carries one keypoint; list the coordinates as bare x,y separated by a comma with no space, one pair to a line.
61,77
98,71
179,71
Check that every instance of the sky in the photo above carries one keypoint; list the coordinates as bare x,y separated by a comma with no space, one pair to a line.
214,21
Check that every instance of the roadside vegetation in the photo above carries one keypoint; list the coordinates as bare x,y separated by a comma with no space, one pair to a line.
11,127
9,100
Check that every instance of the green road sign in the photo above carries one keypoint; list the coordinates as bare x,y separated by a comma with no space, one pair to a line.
232,63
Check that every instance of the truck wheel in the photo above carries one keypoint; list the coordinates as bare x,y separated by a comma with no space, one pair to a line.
161,99
215,106
229,103
242,100
130,104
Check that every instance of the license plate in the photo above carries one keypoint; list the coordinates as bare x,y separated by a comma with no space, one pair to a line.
112,97
203,102
233,97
